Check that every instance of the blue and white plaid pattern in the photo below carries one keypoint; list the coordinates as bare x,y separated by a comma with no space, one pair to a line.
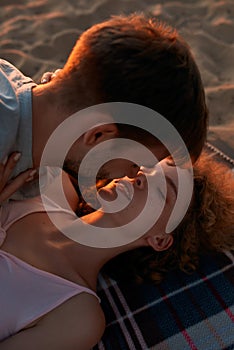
184,312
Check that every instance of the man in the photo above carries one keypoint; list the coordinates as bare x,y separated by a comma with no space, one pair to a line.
127,59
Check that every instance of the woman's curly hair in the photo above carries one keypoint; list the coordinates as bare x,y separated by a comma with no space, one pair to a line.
207,227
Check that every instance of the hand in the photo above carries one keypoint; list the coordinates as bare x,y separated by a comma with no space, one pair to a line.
6,168
48,76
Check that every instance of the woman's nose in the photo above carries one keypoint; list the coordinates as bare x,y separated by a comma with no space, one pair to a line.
140,181
146,170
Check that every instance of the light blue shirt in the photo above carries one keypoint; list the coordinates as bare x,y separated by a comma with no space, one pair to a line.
15,115
16,127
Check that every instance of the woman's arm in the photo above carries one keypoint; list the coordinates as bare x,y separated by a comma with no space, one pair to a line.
6,168
77,324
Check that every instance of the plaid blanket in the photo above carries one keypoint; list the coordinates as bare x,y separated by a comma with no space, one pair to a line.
184,312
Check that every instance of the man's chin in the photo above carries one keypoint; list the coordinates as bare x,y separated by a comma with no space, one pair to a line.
109,175
103,174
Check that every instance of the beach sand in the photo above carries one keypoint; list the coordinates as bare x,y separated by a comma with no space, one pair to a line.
37,36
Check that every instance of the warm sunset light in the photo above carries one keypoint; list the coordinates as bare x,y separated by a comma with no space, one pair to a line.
116,174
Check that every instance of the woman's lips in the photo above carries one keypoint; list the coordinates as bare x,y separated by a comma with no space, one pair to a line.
126,188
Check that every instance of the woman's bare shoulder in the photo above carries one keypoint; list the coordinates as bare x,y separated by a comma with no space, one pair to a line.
78,323
81,316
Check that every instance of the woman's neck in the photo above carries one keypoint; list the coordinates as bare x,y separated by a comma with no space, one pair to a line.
91,259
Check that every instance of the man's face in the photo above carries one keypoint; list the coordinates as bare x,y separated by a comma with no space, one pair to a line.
117,167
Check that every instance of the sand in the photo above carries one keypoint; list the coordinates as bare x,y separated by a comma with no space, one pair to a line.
37,36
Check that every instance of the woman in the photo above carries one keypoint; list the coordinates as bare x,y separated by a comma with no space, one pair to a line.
48,299
208,227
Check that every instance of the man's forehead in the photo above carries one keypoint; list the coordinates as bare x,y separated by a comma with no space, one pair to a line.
160,151
134,151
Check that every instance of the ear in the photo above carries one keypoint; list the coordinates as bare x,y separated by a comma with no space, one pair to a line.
100,133
160,243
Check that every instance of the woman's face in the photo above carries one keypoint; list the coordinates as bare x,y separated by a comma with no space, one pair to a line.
162,183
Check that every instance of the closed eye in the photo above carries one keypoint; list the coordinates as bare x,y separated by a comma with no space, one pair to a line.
161,194
172,184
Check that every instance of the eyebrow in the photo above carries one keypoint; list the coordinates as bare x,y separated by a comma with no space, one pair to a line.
169,180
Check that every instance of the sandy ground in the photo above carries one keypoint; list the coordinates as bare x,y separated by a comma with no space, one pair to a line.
37,36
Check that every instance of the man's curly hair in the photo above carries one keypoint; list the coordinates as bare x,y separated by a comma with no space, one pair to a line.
208,227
